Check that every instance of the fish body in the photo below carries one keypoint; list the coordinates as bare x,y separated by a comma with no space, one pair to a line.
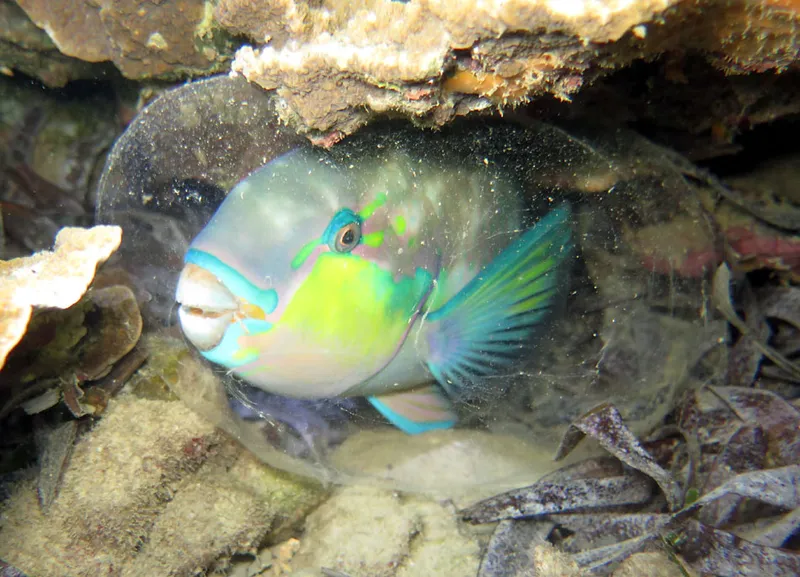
396,266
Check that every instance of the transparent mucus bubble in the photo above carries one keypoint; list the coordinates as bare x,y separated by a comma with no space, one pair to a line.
171,168
633,329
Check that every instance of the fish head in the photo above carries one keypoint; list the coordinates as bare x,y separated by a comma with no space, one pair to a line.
299,283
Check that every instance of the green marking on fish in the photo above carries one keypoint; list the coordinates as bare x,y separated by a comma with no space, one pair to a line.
370,209
373,239
305,252
399,225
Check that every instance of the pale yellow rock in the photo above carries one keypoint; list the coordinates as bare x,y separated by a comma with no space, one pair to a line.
444,546
228,508
365,532
154,489
550,562
653,564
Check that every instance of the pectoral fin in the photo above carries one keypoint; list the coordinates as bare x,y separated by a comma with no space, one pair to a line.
481,331
417,410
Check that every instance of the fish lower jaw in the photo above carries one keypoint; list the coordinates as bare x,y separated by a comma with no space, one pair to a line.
204,329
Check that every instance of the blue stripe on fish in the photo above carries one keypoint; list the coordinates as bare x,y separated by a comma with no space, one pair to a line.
416,411
228,352
265,299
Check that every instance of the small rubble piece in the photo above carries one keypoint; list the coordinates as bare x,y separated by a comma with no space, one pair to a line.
710,530
511,549
53,279
56,452
746,355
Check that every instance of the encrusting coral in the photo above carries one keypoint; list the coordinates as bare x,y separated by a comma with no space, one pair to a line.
54,279
336,63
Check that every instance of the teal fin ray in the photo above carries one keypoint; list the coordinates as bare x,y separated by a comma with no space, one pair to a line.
417,410
483,329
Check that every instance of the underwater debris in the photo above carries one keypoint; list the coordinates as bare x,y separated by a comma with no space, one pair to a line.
605,424
56,451
57,347
511,549
67,350
690,523
562,497
723,302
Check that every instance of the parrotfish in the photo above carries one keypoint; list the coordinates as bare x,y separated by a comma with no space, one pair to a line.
402,266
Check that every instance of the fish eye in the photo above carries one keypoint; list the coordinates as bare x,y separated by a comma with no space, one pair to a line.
347,237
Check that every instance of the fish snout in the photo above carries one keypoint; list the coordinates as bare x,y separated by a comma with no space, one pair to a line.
207,307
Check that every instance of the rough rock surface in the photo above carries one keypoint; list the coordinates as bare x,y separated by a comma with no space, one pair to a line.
30,50
373,533
143,39
154,489
56,278
336,64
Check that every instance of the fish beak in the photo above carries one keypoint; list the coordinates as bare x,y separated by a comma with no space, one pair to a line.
207,307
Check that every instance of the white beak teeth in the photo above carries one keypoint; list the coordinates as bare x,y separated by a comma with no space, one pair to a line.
199,289
204,332
207,307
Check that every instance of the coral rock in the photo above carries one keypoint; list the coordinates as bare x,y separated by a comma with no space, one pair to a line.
154,489
151,39
29,49
52,279
372,533
336,64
